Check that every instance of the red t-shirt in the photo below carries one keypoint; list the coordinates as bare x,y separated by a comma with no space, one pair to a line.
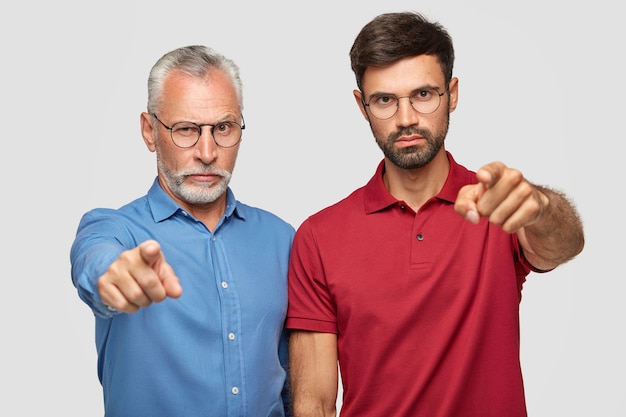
425,306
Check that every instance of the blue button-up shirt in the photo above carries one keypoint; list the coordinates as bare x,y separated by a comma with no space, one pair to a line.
219,349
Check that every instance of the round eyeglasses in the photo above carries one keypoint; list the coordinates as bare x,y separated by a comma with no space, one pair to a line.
226,134
385,106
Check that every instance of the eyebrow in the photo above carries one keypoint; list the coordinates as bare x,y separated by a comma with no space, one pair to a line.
227,118
421,88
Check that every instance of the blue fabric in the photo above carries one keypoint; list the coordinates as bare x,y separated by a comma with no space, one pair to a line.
218,350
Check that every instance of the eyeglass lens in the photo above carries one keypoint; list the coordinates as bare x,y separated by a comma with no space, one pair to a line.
187,134
385,106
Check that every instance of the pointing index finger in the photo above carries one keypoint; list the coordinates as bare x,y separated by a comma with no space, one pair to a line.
489,174
150,251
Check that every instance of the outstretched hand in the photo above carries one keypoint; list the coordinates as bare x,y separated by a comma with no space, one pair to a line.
503,196
139,277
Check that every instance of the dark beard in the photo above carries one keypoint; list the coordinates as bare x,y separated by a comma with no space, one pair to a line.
413,156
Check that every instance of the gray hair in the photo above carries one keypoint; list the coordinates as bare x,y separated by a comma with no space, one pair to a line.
195,60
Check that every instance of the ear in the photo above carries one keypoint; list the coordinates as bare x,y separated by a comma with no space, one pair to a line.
147,131
453,90
358,96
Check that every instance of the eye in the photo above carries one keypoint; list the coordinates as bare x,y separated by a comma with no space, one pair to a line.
423,95
186,129
223,128
384,100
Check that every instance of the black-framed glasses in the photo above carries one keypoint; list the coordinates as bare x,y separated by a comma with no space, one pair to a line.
385,106
226,134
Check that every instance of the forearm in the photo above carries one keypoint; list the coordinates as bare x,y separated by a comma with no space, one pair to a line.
314,374
88,263
556,236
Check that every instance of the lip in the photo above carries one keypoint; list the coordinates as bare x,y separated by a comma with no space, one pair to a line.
204,177
410,140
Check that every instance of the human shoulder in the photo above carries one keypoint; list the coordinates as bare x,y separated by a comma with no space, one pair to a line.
262,216
124,210
109,220
460,172
341,210
134,207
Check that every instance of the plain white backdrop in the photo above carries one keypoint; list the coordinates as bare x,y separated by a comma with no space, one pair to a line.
541,89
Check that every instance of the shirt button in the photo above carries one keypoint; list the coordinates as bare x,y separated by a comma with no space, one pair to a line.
420,237
224,284
234,390
231,336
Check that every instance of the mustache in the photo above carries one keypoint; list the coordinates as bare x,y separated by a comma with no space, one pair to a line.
409,131
203,170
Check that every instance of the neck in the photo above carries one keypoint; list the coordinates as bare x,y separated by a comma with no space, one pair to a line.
208,213
417,186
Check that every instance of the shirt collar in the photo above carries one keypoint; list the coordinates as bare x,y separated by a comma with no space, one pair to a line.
162,206
377,197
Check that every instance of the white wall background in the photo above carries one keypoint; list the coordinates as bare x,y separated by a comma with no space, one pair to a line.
541,88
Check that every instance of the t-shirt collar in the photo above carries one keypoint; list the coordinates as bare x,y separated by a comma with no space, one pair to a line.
377,197
162,206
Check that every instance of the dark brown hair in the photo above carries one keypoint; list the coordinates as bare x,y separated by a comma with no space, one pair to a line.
390,37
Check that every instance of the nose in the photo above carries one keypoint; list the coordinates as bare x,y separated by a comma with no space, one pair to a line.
206,148
406,115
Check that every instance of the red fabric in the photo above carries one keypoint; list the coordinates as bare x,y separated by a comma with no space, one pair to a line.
425,306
